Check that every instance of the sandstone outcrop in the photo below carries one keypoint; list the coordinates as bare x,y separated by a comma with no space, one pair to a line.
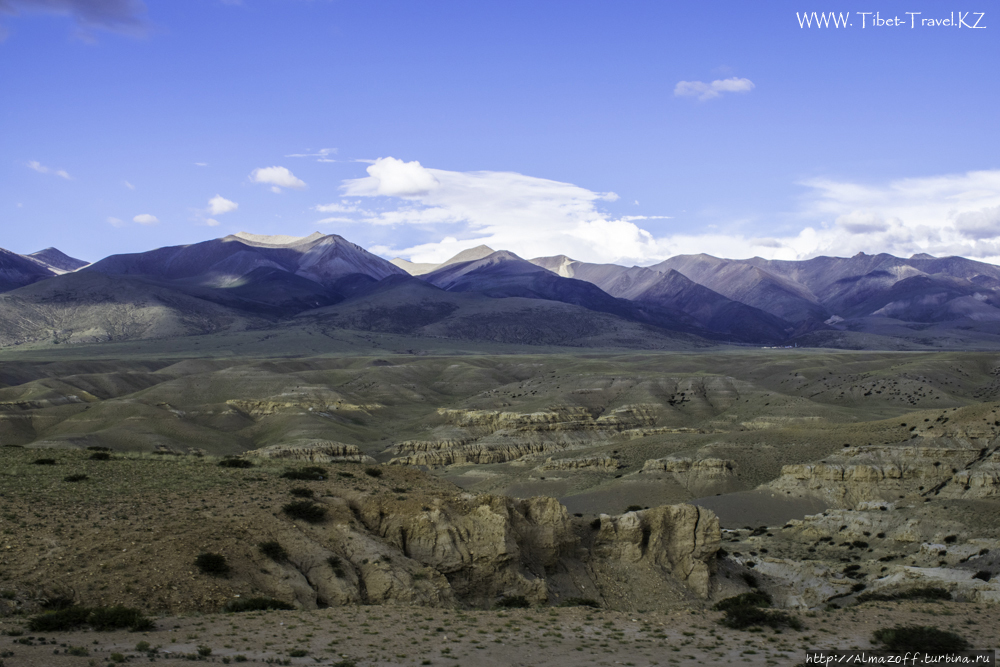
473,550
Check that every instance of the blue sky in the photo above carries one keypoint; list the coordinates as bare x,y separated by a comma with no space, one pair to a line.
592,129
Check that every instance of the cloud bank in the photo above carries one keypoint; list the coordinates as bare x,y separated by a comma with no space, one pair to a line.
955,214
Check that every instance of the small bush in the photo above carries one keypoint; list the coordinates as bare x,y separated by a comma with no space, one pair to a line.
44,462
57,602
255,604
74,478
595,524
274,551
315,473
922,639
580,602
306,510
235,463
373,472
212,564
298,653
750,579
347,475
204,651
751,599
301,492
95,448
100,456
143,646
513,602
633,508
118,617
79,651
985,575
69,618
117,657
337,566
746,616
98,618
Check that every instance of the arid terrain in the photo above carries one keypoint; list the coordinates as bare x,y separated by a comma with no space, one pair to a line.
649,485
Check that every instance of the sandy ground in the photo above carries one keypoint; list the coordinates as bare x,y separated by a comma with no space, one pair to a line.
386,636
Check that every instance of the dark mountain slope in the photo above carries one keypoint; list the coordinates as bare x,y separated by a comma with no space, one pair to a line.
18,271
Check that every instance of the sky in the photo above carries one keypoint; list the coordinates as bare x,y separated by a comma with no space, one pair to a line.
623,132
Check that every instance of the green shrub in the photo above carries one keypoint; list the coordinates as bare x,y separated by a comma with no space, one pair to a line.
315,473
750,579
274,551
100,456
922,639
118,617
306,510
747,616
204,651
298,653
57,602
513,602
235,463
79,651
255,604
595,524
117,657
212,564
373,472
143,646
98,618
301,492
74,478
345,474
61,620
751,599
633,508
338,567
44,462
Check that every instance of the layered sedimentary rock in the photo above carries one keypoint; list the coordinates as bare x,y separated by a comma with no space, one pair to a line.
475,550
945,466
597,463
314,451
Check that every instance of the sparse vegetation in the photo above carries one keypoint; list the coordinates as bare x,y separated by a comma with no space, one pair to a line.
315,473
256,604
373,472
212,564
302,492
44,462
98,618
923,593
100,456
79,477
921,639
273,550
233,462
580,602
306,510
513,602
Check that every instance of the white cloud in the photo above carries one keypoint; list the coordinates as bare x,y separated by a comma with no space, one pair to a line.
116,222
277,177
128,185
218,205
146,219
211,222
707,91
201,164
394,178
41,169
862,222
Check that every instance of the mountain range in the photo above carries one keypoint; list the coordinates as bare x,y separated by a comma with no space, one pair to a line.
249,282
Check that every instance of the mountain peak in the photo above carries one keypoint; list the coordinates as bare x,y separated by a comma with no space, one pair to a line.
57,260
273,239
